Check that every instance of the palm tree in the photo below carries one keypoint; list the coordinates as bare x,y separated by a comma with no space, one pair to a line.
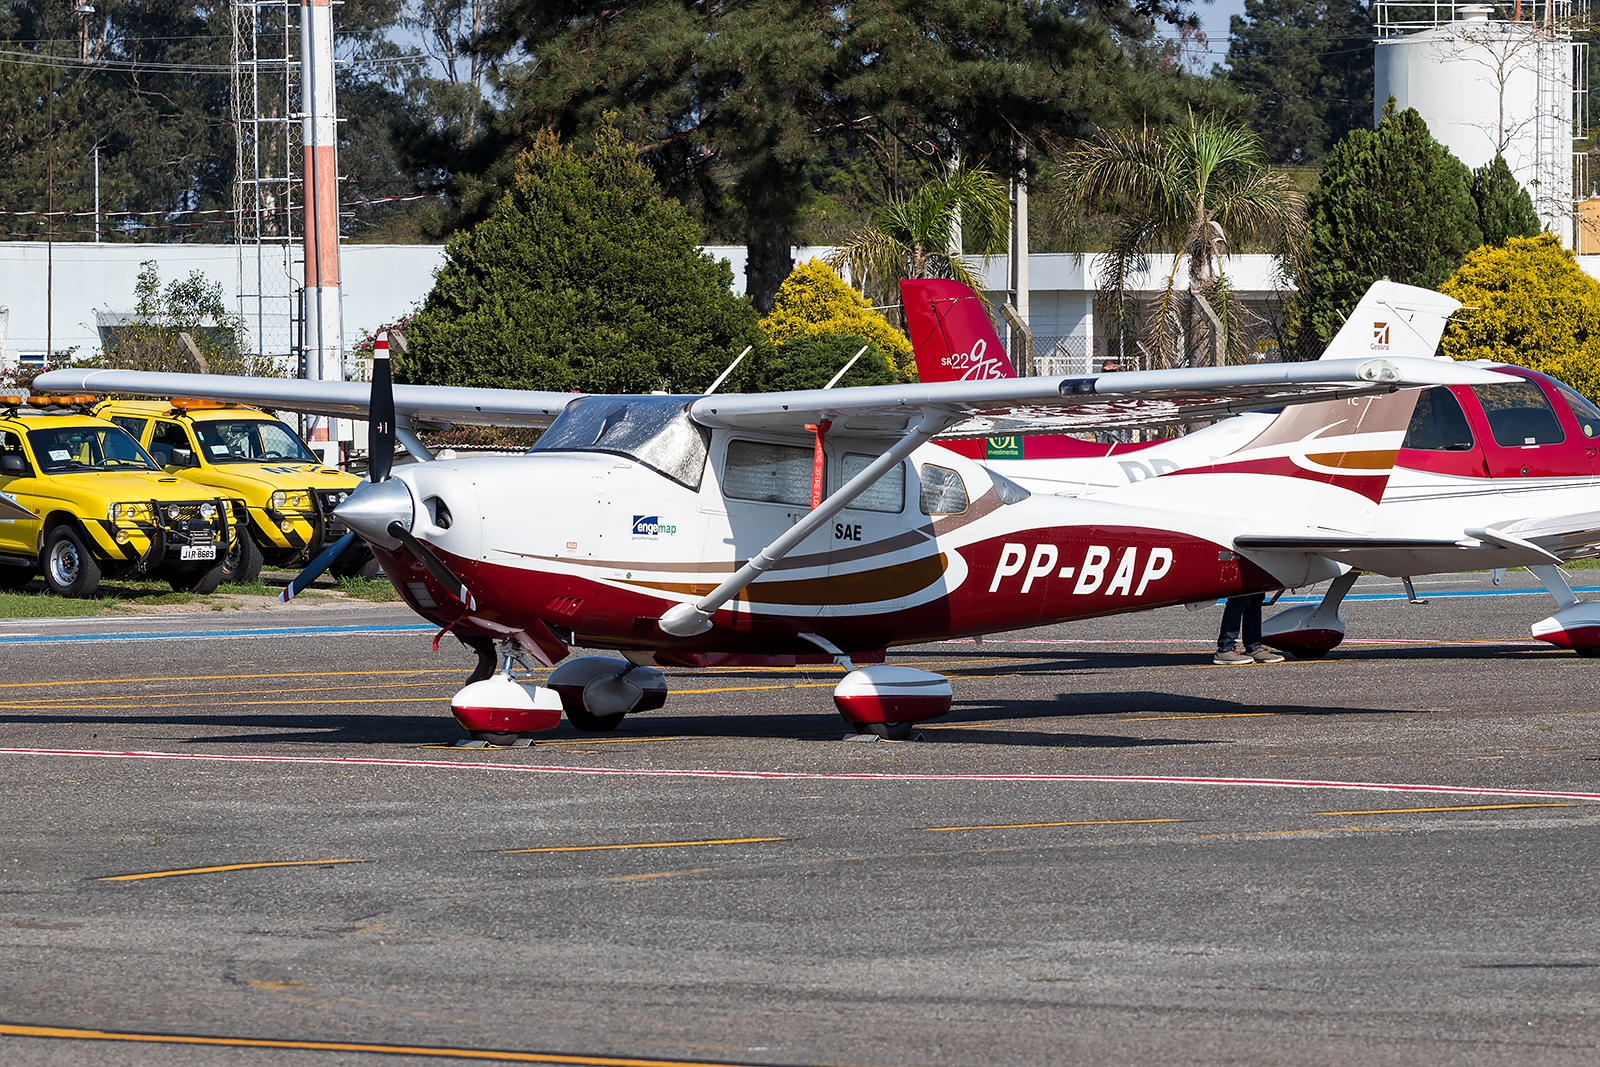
1195,191
915,237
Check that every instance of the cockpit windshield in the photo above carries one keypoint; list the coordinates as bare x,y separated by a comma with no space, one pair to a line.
654,430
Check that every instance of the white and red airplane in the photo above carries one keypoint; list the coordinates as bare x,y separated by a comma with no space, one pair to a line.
802,526
1487,476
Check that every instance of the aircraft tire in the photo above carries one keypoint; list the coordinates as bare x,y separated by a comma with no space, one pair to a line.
592,724
889,731
503,740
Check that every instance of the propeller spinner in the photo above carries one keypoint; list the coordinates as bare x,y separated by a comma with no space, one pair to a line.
382,511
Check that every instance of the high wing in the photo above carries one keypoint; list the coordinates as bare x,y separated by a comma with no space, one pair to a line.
1015,406
421,404
1518,543
1001,407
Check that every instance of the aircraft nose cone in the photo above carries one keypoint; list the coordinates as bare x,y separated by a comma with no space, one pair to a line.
371,508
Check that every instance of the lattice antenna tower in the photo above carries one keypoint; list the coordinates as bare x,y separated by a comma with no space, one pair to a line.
268,190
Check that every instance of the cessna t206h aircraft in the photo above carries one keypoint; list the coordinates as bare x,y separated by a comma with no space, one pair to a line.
1488,475
797,527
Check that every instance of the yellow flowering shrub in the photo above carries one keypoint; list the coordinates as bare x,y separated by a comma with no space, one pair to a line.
1529,303
815,302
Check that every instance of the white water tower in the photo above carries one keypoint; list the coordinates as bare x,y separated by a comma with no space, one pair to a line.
1486,79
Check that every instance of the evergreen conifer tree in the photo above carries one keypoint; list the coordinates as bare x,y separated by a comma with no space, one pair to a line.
582,277
1505,209
1390,203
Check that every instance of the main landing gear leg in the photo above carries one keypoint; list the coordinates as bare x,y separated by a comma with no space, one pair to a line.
1576,623
488,657
1311,631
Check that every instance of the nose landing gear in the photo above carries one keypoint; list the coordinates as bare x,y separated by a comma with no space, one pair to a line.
498,708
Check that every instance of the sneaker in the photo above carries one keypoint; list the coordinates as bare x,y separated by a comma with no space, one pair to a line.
1232,659
1265,655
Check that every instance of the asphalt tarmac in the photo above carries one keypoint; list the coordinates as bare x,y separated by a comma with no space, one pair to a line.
249,841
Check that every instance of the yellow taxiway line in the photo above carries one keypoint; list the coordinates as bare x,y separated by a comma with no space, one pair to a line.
434,1051
1460,807
1040,825
642,844
222,867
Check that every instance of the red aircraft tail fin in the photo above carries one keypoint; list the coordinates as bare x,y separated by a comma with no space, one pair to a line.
951,333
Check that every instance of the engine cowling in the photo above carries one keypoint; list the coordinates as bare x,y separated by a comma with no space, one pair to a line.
603,686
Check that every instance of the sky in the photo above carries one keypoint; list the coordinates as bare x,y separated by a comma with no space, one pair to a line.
1214,21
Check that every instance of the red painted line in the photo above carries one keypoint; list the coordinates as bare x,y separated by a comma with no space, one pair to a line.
813,776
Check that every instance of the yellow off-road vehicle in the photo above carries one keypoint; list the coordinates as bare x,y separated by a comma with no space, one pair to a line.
245,453
102,506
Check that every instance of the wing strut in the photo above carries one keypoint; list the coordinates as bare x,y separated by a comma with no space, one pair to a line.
687,620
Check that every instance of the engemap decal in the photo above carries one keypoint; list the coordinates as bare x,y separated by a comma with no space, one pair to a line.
650,528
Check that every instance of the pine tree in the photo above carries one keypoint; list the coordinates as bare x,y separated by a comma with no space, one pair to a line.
1505,209
1390,203
582,277
1308,66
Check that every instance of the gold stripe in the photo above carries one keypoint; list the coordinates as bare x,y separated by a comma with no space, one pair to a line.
1040,825
1463,807
641,844
224,867
859,587
1360,461
441,1052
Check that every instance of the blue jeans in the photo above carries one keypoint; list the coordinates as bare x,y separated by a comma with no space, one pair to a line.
1241,612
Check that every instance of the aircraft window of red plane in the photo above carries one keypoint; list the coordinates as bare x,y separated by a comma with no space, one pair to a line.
655,430
943,491
888,493
1519,415
1587,414
1438,424
776,474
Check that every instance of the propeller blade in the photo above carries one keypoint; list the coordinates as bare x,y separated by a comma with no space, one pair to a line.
435,565
380,413
313,570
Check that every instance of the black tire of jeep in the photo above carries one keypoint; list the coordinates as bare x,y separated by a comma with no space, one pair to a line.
357,562
70,569
243,564
200,579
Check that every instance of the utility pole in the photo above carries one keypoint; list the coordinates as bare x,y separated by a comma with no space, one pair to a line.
323,327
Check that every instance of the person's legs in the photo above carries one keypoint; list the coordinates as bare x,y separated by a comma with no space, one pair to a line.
1252,621
1233,613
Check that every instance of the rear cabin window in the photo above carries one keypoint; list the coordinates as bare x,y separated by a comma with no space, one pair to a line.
1438,424
888,493
943,491
776,474
132,423
1587,414
1519,415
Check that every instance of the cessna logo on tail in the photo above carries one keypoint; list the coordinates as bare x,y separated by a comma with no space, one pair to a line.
1091,573
1380,337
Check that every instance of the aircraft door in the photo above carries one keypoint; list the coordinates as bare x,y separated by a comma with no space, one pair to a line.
1524,437
766,488
863,536
1585,420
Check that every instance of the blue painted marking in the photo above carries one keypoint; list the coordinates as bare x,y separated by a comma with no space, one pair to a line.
176,635
1539,591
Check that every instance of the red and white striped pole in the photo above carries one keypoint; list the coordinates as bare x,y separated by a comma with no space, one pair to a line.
324,336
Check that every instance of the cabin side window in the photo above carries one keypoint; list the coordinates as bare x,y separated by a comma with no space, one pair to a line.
888,493
1438,424
775,474
943,491
1519,415
1587,414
